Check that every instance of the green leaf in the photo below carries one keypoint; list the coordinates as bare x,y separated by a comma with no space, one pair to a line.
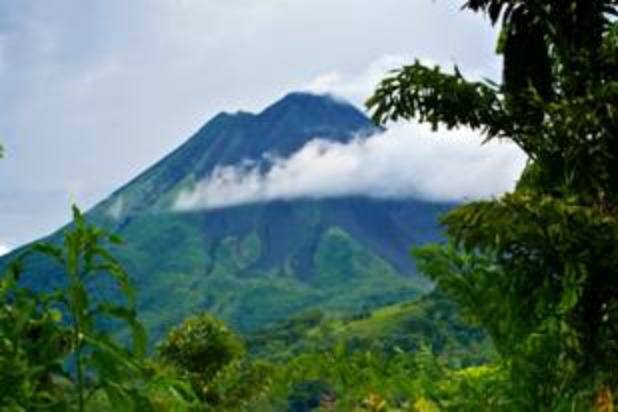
129,317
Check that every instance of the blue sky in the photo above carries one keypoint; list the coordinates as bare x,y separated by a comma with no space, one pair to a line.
93,92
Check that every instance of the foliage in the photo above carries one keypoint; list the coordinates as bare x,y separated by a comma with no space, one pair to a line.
32,348
211,357
201,346
57,351
83,258
538,268
430,320
344,380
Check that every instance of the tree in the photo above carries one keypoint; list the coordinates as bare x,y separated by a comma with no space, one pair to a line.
537,267
205,352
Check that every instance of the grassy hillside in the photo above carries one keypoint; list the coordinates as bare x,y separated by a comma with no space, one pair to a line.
431,321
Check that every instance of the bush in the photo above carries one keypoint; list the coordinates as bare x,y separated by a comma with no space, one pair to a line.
212,358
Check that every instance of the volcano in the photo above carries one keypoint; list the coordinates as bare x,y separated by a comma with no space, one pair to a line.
253,264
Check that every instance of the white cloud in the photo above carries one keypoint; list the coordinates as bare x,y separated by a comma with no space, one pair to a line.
116,210
4,249
357,87
407,161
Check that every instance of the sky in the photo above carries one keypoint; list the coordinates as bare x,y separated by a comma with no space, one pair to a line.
92,93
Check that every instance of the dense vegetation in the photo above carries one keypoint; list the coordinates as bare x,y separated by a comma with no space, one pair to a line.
59,351
536,269
431,321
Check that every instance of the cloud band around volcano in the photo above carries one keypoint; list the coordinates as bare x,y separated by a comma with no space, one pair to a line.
405,162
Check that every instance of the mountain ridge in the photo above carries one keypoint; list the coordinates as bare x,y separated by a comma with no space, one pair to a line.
231,138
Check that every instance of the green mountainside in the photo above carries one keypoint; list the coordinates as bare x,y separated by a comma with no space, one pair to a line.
431,321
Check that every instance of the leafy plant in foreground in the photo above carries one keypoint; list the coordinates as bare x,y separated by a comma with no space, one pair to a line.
96,354
538,268
33,347
57,346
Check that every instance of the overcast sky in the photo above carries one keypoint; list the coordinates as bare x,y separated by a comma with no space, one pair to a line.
93,92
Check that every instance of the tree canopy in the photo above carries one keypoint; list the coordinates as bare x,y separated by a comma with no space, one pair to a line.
537,267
